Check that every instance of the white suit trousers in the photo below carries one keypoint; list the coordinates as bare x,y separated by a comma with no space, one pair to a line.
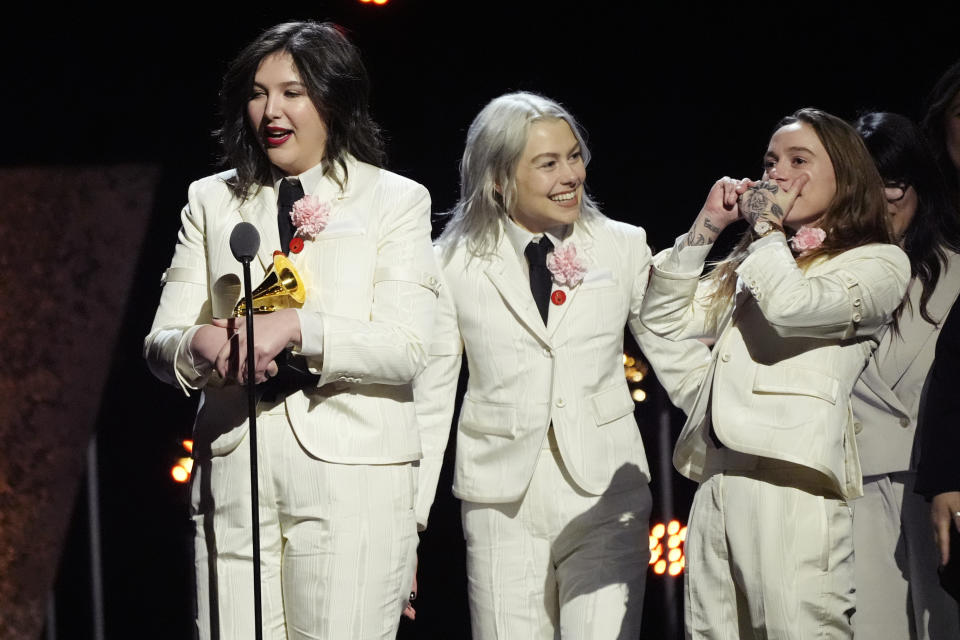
559,563
898,592
338,542
769,556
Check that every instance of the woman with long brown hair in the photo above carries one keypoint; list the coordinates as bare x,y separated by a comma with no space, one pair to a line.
795,311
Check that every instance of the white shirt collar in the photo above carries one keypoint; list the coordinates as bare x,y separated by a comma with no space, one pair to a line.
309,179
520,237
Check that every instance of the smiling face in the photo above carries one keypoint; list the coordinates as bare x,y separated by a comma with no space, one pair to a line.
283,117
795,150
549,177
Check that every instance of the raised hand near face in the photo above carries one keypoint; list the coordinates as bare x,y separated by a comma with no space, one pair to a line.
719,210
765,204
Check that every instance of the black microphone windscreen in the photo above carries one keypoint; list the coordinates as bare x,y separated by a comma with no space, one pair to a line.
244,242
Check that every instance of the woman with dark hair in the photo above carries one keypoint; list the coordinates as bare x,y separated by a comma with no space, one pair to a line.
897,591
338,435
942,126
795,311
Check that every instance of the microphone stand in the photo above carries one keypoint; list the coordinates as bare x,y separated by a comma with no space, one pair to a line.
246,234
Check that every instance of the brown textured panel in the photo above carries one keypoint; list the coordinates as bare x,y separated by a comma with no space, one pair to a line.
70,239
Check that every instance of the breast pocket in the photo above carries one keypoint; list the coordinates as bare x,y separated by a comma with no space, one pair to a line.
795,381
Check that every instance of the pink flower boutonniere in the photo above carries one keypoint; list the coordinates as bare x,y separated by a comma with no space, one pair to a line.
566,267
310,216
807,239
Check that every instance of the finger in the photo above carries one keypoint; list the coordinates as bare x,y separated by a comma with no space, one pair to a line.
942,535
409,612
730,194
743,184
226,323
226,361
940,519
271,369
798,184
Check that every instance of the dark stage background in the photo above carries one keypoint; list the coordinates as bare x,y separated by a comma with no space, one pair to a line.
672,97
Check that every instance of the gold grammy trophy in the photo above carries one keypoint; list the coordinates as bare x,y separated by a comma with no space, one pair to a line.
282,288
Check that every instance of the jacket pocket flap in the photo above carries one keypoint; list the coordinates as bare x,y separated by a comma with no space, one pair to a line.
612,403
489,418
796,381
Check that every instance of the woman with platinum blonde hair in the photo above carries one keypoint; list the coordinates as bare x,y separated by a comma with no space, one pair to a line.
550,464
495,142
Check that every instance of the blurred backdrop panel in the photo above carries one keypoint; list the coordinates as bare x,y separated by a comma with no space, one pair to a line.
71,240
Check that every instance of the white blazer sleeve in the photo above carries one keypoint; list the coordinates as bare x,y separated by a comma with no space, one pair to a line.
434,392
856,296
390,347
679,365
184,304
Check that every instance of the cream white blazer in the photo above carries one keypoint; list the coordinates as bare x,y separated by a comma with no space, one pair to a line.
887,397
787,354
371,300
523,375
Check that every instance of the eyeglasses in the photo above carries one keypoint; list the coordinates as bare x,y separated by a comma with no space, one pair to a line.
896,186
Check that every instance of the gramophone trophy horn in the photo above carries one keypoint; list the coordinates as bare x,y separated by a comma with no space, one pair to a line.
282,288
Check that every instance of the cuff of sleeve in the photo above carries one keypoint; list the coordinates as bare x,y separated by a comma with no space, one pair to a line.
684,259
311,334
773,239
190,373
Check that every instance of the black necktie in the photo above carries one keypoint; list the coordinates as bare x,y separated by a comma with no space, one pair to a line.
290,192
541,282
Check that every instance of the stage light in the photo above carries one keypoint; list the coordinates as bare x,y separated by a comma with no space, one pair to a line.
181,470
639,395
184,467
628,361
674,561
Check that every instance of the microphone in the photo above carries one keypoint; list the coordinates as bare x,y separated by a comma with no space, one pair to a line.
244,242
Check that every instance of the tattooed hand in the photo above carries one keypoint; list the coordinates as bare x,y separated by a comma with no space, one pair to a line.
767,200
719,210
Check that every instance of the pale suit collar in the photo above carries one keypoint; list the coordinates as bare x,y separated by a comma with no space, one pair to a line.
508,272
260,210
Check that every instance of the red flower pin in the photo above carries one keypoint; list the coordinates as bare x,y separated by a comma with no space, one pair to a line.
296,245
558,297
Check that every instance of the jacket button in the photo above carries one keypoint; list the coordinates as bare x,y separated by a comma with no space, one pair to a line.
547,353
857,317
857,427
904,422
725,357
561,403
856,302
